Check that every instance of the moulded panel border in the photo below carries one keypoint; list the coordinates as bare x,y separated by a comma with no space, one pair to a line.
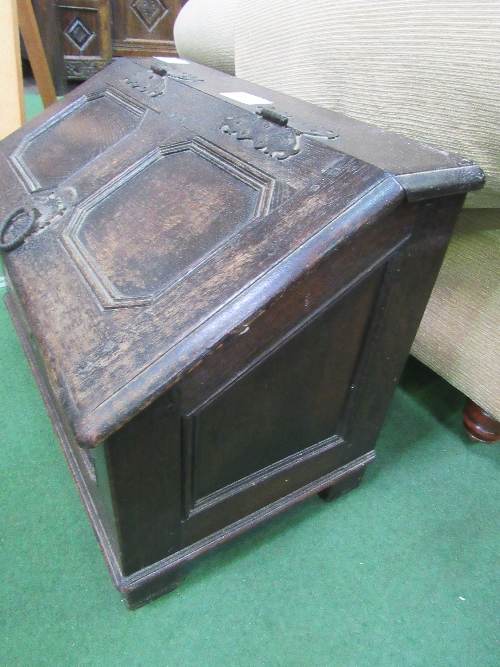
17,158
388,263
108,294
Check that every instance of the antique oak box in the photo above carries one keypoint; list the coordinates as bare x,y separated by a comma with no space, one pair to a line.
217,288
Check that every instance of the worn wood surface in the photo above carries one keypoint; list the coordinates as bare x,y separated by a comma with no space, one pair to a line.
120,289
222,301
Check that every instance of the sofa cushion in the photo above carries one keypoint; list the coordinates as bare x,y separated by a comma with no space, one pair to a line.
204,32
458,335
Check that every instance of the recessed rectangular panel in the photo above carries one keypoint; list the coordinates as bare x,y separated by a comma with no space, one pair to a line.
146,20
80,28
148,228
74,138
290,401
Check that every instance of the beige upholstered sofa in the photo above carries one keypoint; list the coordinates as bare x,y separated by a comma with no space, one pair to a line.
426,68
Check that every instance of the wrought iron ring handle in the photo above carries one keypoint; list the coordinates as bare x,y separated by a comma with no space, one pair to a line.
15,243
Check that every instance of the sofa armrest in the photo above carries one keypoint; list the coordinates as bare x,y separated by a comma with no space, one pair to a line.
204,32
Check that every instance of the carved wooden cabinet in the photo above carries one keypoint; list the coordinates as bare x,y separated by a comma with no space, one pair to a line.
144,27
90,33
85,27
217,287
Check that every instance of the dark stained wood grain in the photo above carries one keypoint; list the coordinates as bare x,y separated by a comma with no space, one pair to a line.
144,28
144,467
82,37
292,395
217,321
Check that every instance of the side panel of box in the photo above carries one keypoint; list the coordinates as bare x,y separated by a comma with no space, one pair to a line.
144,467
395,328
267,411
287,402
276,428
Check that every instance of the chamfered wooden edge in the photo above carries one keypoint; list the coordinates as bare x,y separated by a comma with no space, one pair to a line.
479,425
162,577
432,184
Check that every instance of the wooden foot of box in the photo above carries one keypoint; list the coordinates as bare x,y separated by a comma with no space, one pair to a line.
343,486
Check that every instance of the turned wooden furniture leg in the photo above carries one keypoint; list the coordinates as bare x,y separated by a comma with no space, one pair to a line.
479,425
343,486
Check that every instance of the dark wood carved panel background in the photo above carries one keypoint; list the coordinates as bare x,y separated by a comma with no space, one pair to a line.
144,27
233,431
91,32
85,26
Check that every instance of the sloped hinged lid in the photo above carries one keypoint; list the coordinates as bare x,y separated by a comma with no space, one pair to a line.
150,212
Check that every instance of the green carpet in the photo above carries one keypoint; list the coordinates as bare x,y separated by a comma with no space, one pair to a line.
33,105
402,571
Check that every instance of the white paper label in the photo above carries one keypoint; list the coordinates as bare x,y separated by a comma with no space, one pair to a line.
172,60
246,98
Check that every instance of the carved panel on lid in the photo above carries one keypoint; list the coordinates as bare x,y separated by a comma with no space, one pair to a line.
71,139
163,217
